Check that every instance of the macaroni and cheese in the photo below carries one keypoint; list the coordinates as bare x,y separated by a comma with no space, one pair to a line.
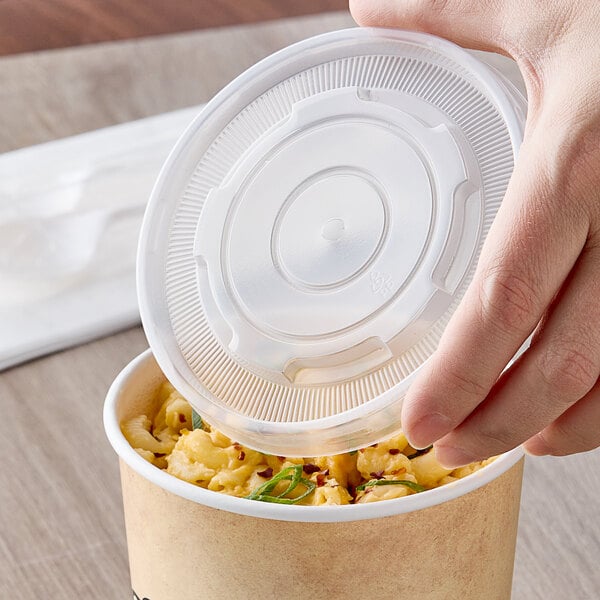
209,459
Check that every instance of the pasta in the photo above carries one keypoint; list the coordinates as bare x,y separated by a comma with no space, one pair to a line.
205,457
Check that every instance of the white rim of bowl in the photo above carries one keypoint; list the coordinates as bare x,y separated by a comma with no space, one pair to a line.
250,508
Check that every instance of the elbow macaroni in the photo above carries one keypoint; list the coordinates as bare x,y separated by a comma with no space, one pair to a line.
207,458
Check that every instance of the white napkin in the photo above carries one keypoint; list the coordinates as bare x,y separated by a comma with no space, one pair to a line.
70,212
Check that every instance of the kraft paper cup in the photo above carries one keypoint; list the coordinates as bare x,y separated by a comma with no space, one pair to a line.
455,542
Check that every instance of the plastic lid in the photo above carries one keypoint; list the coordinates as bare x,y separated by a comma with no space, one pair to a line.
314,229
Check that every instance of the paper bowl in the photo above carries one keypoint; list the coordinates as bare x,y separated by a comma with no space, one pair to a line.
185,542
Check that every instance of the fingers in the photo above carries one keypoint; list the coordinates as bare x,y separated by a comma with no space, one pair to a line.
560,368
473,23
531,248
576,430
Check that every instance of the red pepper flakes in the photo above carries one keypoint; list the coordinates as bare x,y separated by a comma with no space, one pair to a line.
241,455
320,480
237,446
394,451
377,475
373,445
267,473
281,458
309,468
182,418
399,471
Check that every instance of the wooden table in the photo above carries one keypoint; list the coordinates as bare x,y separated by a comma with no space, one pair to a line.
61,525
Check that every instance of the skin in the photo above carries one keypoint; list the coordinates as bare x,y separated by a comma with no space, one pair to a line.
540,267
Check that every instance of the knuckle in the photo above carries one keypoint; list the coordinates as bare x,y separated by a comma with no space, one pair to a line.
509,300
564,438
466,385
568,369
494,438
430,11
437,6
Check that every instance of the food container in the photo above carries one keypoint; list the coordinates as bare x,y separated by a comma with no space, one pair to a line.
455,542
305,245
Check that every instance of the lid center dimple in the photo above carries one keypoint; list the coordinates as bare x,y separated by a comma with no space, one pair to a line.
333,229
330,229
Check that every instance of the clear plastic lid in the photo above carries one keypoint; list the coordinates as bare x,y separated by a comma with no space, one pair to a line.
314,229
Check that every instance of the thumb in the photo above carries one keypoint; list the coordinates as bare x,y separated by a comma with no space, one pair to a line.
474,24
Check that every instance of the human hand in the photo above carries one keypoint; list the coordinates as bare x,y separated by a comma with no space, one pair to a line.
540,266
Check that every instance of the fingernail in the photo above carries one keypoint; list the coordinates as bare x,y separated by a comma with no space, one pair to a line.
427,430
537,446
452,458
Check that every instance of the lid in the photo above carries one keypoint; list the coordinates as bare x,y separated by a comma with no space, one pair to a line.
313,230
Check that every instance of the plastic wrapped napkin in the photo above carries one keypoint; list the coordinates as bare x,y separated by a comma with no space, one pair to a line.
70,212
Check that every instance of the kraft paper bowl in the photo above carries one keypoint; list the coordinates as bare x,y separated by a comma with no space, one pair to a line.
185,542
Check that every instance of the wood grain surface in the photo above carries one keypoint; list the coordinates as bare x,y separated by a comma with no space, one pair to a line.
32,25
61,524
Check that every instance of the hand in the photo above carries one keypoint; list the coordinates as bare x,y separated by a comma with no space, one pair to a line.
540,267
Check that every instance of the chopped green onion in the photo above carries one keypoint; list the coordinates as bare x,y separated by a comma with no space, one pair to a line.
409,484
310,488
292,474
419,452
196,420
294,481
269,486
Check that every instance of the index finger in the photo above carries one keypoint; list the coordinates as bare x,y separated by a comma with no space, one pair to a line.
526,257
